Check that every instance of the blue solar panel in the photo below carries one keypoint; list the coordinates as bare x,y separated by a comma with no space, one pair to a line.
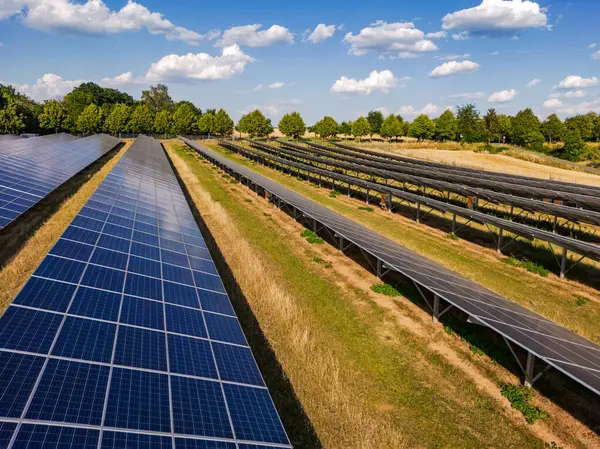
126,325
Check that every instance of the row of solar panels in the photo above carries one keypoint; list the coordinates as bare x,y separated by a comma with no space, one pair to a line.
583,248
586,197
32,168
124,335
382,171
557,346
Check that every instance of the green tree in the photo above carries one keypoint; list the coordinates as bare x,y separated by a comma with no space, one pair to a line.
574,147
504,126
53,115
292,125
255,124
422,128
470,127
375,119
553,128
525,128
142,120
184,119
491,124
157,98
327,127
446,126
223,123
11,122
162,122
90,120
391,127
596,135
345,128
361,127
207,124
584,124
117,121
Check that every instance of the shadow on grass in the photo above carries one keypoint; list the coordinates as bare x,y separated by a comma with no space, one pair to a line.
295,420
16,234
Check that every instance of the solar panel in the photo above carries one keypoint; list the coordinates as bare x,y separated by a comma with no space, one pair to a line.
123,338
558,347
32,168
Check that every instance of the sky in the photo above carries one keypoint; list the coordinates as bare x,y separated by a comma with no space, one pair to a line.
318,58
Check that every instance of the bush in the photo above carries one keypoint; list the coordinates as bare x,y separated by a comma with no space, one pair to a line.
581,300
520,399
574,148
527,264
385,289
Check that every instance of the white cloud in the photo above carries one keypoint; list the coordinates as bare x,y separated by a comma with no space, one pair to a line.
577,82
436,35
592,45
257,88
584,107
534,82
454,68
94,17
462,36
122,80
574,94
468,96
272,110
553,103
453,57
383,81
276,85
48,87
385,111
249,35
596,55
497,18
200,66
321,33
495,53
383,37
504,96
429,109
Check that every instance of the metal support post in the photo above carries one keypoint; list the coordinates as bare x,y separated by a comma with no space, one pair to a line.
453,223
529,366
367,196
341,243
563,263
418,211
436,308
388,202
379,267
500,237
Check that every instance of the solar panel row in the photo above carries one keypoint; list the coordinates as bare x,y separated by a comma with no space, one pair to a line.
32,168
124,336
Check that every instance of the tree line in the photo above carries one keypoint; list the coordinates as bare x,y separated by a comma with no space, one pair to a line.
90,109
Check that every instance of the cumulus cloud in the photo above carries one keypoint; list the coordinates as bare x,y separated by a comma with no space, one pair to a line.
123,80
577,82
592,45
468,96
436,35
250,36
553,103
504,96
383,81
462,36
584,107
389,38
276,85
94,17
321,33
574,94
429,109
200,66
494,18
48,87
454,68
596,55
453,57
534,82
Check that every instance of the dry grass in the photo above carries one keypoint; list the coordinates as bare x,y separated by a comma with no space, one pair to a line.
18,269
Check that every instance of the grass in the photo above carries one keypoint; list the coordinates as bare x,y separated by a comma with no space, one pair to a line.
385,289
367,209
334,193
325,263
358,389
520,399
311,237
581,300
528,265
452,236
546,296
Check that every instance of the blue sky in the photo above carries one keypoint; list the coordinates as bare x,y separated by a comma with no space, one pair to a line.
402,57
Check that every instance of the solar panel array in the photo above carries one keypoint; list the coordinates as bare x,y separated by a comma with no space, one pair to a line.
32,168
124,336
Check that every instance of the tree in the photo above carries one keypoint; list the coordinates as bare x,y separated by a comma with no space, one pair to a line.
345,128
504,127
361,127
11,122
422,128
596,135
26,108
53,115
492,124
184,119
117,121
292,125
375,119
223,123
574,147
162,122
584,124
157,98
255,124
525,128
327,127
553,128
391,127
470,127
90,120
207,124
446,126
142,120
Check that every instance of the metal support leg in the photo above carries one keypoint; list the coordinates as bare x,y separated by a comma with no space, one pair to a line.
500,236
388,202
379,267
554,225
436,308
341,244
563,263
529,369
453,223
418,212
367,196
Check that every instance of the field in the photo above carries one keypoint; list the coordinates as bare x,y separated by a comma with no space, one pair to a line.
372,339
